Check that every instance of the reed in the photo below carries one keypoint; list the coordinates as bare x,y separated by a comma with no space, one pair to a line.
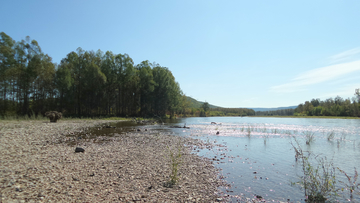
330,136
318,179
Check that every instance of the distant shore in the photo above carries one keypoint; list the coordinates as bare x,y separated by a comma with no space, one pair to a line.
325,117
37,163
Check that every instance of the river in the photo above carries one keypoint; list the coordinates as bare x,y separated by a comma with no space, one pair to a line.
259,159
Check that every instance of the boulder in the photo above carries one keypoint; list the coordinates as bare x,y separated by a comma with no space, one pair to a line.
53,115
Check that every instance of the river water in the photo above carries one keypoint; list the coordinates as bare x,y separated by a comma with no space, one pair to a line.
259,159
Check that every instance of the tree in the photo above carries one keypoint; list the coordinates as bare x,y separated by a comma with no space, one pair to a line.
205,106
7,65
315,102
146,86
167,91
84,83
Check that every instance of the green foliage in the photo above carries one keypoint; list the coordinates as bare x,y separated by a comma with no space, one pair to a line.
175,161
197,104
318,179
280,112
205,106
330,107
85,83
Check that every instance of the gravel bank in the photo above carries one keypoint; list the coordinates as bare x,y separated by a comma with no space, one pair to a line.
37,164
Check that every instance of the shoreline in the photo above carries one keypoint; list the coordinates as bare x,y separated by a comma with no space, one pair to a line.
37,164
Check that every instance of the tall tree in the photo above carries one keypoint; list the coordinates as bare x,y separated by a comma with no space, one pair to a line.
7,65
146,86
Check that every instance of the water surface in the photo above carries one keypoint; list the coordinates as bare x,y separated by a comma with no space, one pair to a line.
258,158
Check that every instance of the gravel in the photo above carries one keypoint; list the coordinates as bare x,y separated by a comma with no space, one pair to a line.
38,163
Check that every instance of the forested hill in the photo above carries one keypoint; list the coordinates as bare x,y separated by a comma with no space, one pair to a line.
273,109
197,104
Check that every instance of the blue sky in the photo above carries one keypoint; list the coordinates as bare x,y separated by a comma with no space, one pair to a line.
228,53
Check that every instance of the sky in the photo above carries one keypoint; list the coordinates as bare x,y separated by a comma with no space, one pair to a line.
229,53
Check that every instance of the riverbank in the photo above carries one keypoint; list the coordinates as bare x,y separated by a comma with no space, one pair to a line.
38,163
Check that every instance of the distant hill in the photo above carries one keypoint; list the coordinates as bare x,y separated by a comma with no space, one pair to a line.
197,104
273,109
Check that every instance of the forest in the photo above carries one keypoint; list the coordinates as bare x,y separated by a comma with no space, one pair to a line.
85,83
280,112
93,84
330,107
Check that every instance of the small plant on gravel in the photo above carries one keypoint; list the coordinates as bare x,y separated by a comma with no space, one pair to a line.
175,161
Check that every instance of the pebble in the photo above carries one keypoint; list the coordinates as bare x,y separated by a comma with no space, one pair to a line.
105,169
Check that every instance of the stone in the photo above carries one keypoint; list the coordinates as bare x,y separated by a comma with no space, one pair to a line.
53,116
79,149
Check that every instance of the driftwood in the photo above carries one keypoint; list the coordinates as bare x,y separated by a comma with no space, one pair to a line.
53,115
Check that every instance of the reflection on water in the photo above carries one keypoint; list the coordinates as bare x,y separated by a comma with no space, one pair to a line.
259,159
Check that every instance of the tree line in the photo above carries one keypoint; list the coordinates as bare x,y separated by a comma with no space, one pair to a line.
280,112
85,83
330,107
205,110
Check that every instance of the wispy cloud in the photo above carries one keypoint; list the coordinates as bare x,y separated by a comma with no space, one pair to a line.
343,91
346,55
316,76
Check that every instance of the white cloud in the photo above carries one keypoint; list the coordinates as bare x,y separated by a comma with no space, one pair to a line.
345,55
316,76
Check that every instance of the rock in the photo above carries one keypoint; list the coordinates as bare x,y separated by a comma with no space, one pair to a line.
18,189
219,199
53,116
79,149
217,132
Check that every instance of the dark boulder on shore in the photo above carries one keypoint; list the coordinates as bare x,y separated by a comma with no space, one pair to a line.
53,116
79,149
